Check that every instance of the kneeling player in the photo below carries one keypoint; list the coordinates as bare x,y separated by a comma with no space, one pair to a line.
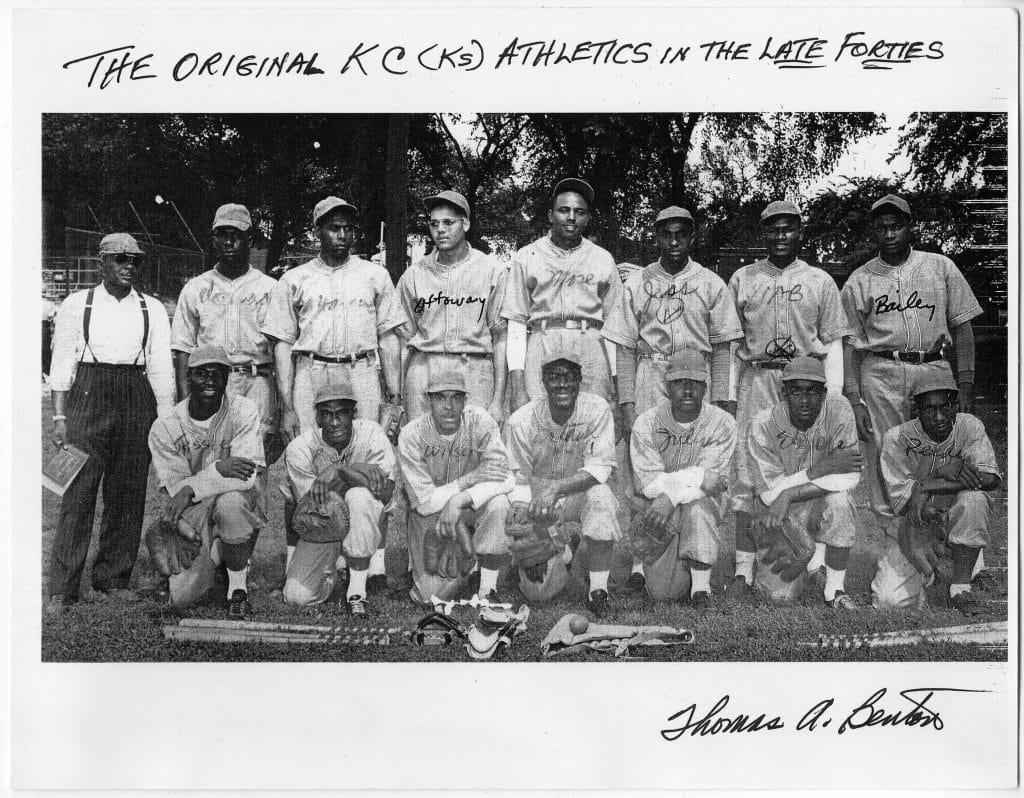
563,445
681,451
805,461
207,453
342,459
937,470
457,472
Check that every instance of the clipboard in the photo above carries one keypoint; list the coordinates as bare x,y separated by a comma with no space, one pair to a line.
61,471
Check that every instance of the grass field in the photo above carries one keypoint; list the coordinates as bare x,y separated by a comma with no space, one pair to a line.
97,632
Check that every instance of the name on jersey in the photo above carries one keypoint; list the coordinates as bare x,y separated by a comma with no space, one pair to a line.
671,440
565,278
793,293
432,452
214,296
667,304
319,304
441,298
787,441
914,302
926,449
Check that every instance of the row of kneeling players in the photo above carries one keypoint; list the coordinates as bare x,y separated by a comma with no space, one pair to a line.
316,359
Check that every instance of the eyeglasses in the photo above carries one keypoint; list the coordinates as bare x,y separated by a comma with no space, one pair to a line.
122,258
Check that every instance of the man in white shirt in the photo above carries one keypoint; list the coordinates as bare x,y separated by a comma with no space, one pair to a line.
110,376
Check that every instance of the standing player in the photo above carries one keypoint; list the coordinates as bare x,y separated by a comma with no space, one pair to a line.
563,445
682,456
341,457
207,453
674,305
562,286
788,309
938,469
225,307
111,374
457,472
329,319
452,304
905,308
804,461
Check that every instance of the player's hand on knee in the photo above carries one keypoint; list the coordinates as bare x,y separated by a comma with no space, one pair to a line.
176,505
775,519
448,520
374,476
969,476
714,483
236,467
542,507
864,429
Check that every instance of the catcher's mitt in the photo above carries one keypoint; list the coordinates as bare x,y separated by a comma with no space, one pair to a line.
787,552
446,558
392,418
532,544
171,552
923,546
325,522
645,541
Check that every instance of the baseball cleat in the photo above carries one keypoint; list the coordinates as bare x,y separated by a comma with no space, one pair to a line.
597,603
358,606
636,583
701,601
238,606
739,592
985,580
842,601
966,603
377,585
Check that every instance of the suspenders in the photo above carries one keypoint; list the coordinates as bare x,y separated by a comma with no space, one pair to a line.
87,317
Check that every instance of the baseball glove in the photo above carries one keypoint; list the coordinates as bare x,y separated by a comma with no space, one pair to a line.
532,544
787,552
447,558
325,522
923,546
171,552
645,541
392,418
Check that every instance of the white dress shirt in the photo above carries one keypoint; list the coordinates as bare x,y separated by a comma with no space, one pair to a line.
115,336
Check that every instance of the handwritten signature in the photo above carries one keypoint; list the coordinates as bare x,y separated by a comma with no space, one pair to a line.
914,302
918,712
440,298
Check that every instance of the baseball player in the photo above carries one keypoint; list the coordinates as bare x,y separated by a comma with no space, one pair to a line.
682,454
563,446
329,318
804,461
206,454
787,309
350,458
110,376
225,307
562,286
908,312
457,474
673,305
938,469
451,300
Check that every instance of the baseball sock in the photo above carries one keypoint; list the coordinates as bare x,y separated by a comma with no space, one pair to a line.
835,582
488,581
979,564
215,552
288,560
956,589
357,582
818,559
340,564
377,563
700,580
598,581
238,580
745,565
638,567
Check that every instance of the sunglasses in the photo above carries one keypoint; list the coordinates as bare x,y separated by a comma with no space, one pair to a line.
122,258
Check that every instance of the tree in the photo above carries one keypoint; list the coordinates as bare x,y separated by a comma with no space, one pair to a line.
947,148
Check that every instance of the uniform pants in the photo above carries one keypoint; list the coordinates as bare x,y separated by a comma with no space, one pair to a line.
589,344
897,584
311,577
487,525
110,410
478,371
311,375
757,390
233,517
829,519
262,389
597,511
887,387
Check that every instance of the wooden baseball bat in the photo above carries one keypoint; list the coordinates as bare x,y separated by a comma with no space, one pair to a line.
994,634
214,623
198,634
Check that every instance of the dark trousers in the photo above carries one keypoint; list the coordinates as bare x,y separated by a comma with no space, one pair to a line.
110,410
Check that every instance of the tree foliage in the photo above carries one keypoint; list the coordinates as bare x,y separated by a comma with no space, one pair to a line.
947,149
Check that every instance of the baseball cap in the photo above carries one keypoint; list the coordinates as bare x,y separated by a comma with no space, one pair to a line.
804,368
446,381
448,198
332,203
894,202
118,243
203,355
937,382
562,350
581,187
335,391
780,208
232,215
687,365
673,212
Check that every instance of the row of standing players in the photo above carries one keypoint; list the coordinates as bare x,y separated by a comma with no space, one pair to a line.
663,356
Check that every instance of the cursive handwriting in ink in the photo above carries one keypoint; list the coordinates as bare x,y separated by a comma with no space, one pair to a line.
869,713
440,298
914,302
714,723
668,304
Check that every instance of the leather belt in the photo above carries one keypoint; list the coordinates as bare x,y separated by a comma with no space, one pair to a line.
770,365
917,358
567,324
657,357
264,369
472,355
369,353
